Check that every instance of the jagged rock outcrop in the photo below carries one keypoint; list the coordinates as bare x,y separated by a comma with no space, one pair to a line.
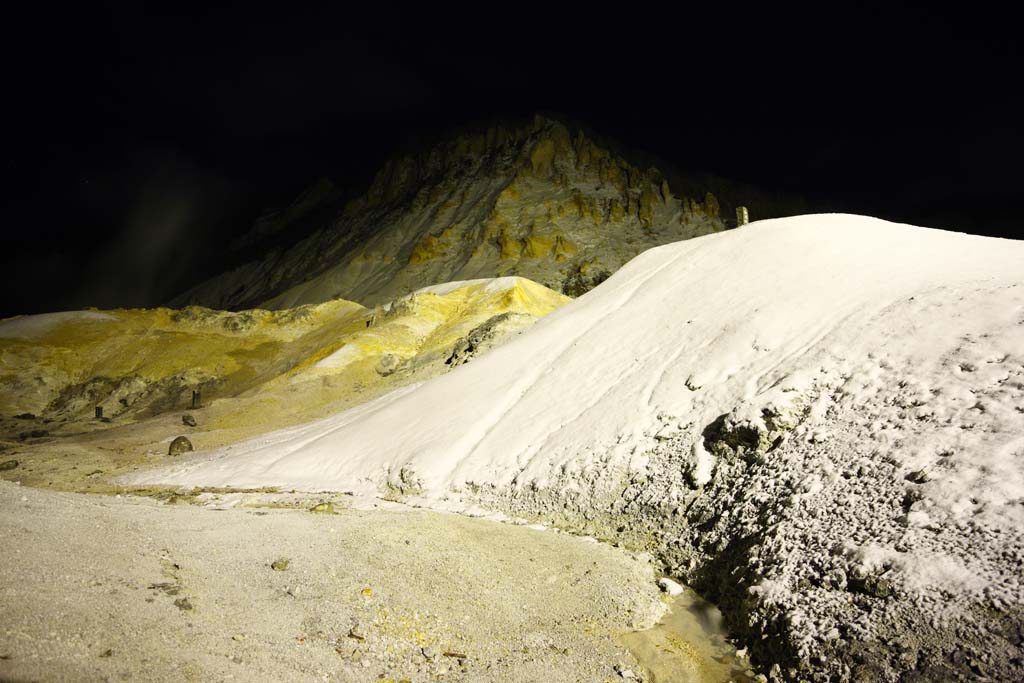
541,201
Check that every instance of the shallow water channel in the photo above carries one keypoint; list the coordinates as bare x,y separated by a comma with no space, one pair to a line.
689,645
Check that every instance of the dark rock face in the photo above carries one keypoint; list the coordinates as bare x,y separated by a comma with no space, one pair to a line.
479,339
579,283
180,445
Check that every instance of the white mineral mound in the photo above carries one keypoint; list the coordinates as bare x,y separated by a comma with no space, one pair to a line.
726,323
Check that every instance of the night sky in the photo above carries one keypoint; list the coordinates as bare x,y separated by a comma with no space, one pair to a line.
140,140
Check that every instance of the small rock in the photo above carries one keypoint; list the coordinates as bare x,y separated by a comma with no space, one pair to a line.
429,652
180,445
325,508
357,631
188,420
871,585
106,653
819,436
389,362
347,650
280,564
624,672
8,465
911,496
238,637
669,586
183,604
836,578
236,659
25,416
166,588
918,476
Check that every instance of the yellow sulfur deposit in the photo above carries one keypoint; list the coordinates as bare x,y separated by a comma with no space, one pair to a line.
254,370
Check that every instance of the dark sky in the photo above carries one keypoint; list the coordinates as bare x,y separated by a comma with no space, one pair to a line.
141,139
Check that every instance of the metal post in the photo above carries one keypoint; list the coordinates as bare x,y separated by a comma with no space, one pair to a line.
99,412
195,398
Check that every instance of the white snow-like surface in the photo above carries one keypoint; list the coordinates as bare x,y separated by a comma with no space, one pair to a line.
729,322
35,326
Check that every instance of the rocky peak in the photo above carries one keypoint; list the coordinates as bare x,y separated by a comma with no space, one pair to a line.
542,200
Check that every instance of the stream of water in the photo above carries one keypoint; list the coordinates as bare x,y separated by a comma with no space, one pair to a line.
689,645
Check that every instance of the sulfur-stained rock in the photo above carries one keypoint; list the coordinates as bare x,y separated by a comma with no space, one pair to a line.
511,247
666,192
537,246
564,248
647,205
612,175
711,205
616,211
428,248
542,159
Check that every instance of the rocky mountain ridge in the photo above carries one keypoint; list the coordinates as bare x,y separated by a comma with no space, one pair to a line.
541,200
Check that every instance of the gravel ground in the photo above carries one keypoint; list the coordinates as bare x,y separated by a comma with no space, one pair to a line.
97,588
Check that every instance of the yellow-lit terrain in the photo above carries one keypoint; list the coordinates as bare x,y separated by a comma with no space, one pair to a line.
256,371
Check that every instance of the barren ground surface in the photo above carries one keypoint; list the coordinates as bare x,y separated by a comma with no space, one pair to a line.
98,588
